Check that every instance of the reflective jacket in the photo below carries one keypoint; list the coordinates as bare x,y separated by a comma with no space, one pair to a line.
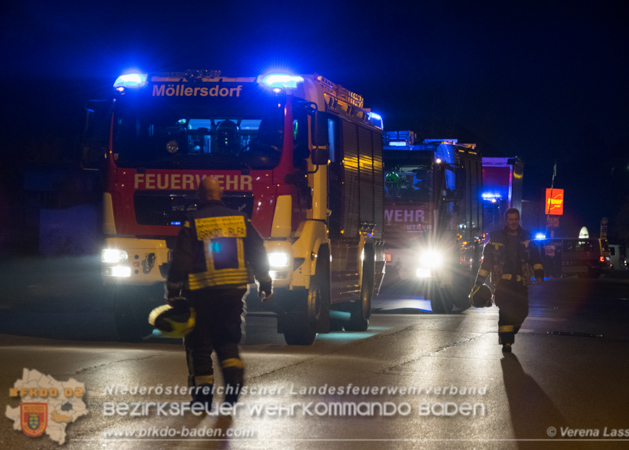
494,258
217,247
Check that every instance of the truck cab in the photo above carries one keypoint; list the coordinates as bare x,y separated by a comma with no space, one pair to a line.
299,154
433,217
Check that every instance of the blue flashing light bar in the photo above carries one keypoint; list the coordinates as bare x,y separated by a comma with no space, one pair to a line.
376,119
489,196
398,144
130,80
282,80
540,236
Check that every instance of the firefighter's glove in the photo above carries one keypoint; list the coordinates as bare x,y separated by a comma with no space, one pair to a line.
265,290
179,302
172,290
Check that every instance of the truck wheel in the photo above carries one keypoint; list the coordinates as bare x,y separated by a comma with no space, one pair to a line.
315,317
460,297
441,302
131,318
360,310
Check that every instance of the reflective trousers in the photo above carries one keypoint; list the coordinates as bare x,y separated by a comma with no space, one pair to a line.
218,320
512,297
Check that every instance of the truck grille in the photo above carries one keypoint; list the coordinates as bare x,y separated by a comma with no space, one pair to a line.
160,208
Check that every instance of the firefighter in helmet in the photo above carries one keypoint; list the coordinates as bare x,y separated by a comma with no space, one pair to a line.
227,138
217,254
508,257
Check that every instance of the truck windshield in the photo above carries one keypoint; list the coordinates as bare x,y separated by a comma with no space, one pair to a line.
409,183
164,138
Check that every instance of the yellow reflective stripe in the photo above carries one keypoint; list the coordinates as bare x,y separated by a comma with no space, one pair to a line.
508,276
233,273
206,284
483,272
186,224
233,362
506,329
538,267
198,281
496,244
203,379
526,243
225,276
220,226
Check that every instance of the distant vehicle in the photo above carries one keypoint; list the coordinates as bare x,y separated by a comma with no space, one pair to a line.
619,261
582,257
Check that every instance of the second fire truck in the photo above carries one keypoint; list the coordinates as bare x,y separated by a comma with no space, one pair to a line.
433,217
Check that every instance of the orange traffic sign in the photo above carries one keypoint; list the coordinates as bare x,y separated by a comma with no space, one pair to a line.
554,202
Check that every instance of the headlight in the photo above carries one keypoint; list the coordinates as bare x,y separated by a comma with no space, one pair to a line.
431,259
114,256
278,259
121,271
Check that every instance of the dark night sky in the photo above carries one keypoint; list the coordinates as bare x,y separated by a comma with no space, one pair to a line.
540,79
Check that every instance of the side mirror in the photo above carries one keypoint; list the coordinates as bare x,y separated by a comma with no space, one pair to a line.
95,136
320,153
460,182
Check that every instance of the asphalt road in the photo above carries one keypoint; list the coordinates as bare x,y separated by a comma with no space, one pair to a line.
566,377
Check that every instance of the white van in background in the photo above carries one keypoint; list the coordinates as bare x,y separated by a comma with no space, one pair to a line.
618,257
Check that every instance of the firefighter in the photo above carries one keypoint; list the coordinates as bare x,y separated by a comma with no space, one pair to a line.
216,254
508,257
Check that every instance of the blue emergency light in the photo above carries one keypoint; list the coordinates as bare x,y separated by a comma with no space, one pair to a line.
130,80
281,80
490,196
376,119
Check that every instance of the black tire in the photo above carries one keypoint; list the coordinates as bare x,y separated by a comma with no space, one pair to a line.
360,310
317,311
304,332
440,302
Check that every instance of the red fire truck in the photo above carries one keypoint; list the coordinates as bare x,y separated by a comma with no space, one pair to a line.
433,217
298,153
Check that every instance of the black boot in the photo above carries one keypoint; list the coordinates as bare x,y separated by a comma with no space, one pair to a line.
203,394
233,383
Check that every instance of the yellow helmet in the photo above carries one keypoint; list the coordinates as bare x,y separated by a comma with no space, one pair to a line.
173,321
481,296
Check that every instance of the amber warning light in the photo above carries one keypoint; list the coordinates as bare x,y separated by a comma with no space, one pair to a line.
554,202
